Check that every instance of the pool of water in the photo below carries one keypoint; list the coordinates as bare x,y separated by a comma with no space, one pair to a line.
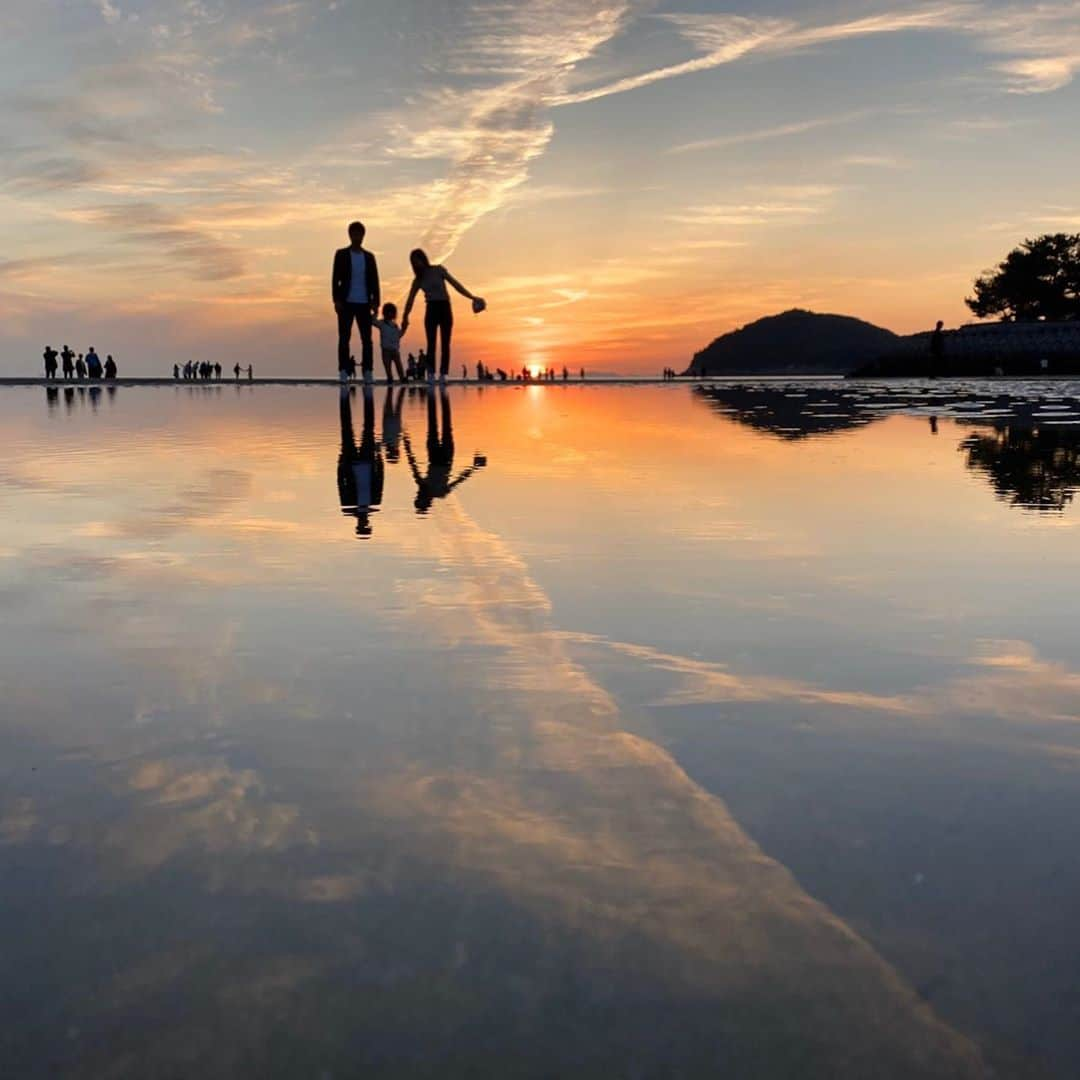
540,731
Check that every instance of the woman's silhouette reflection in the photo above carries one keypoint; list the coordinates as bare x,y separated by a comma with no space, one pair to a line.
436,483
360,468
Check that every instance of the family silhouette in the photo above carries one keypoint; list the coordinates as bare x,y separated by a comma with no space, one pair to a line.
357,298
361,466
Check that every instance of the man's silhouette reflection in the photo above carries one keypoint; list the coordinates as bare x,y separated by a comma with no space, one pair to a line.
436,483
360,468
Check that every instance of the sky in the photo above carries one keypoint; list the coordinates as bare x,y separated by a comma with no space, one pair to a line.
622,180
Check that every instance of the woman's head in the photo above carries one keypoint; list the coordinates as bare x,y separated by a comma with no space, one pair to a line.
420,261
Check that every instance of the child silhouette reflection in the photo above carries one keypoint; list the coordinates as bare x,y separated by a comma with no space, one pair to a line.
391,423
360,468
436,483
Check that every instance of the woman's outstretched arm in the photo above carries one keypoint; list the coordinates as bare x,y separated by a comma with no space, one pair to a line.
457,284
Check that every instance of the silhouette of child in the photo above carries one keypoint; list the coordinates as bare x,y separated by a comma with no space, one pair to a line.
390,341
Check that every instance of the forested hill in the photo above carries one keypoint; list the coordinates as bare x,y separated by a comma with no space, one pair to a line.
795,342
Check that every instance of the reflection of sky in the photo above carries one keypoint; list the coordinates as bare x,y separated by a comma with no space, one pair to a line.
217,698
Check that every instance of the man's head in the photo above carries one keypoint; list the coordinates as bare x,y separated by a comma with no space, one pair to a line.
940,325
356,233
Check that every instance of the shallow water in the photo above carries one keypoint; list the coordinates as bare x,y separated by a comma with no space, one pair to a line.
629,731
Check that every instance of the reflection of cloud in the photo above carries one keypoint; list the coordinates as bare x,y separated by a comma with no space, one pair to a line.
202,806
589,824
18,819
1003,679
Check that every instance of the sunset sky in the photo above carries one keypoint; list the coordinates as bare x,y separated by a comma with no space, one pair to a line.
623,180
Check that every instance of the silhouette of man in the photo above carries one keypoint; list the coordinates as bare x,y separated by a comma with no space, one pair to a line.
354,286
360,470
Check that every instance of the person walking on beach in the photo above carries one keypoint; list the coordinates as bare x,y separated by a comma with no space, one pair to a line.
937,349
50,355
110,367
354,287
67,359
250,373
439,316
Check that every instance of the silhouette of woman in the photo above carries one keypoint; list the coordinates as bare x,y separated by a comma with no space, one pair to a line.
436,483
439,316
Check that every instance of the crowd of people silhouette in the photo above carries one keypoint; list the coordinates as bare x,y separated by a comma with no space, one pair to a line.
68,365
207,372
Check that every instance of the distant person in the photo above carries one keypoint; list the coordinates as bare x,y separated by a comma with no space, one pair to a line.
439,315
80,367
50,355
479,372
217,372
93,364
176,372
67,359
410,368
390,342
354,287
937,349
236,372
110,367
582,374
421,364
360,470
250,373
436,482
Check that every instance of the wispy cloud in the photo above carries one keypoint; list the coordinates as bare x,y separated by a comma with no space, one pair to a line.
778,131
490,132
1035,49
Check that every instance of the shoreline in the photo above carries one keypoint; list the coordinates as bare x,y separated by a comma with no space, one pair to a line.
614,380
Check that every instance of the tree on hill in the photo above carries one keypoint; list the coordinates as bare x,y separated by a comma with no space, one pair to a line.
1038,280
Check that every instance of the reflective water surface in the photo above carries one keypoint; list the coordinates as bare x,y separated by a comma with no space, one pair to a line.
545,731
